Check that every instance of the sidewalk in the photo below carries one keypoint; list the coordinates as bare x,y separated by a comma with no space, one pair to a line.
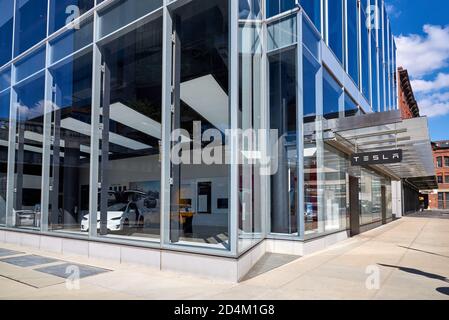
411,257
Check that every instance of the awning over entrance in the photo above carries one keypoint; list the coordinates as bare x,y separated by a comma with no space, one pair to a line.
383,131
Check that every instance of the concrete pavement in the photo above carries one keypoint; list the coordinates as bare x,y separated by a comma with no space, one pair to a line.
407,259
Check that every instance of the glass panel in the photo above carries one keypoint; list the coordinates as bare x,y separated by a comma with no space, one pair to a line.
70,144
200,190
366,197
250,213
62,12
4,138
446,161
313,10
250,9
366,84
439,162
374,61
282,33
332,92
5,79
310,39
28,155
310,71
123,12
6,29
284,182
130,166
351,108
31,24
377,197
353,50
30,64
71,41
336,200
275,7
446,205
440,200
335,21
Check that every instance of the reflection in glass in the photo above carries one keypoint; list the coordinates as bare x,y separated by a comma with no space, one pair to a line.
6,28
31,24
351,108
70,143
284,182
71,41
332,92
29,111
353,49
250,9
335,189
31,64
313,11
250,107
130,167
366,80
62,12
274,7
4,137
123,12
335,21
200,192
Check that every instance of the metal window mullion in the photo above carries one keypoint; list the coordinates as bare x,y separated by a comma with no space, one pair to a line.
300,128
265,104
95,130
167,25
10,182
233,108
46,143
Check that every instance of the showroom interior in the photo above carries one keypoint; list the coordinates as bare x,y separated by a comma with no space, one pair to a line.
89,104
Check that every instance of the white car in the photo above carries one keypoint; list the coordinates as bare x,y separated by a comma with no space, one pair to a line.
126,210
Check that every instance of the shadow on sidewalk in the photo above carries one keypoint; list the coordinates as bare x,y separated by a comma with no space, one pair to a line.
417,272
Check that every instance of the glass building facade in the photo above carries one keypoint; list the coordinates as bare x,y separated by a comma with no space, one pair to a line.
92,91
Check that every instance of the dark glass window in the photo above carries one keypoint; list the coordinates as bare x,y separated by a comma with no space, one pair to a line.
331,95
310,70
440,179
439,162
335,21
446,161
31,24
6,26
275,7
366,84
250,9
353,51
351,108
63,12
446,179
283,119
313,10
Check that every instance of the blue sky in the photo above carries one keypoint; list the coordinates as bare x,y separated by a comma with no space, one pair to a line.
422,36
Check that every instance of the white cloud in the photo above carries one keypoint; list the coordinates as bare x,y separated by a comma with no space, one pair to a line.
440,82
424,54
433,108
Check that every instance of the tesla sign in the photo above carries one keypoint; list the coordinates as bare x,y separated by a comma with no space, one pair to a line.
381,157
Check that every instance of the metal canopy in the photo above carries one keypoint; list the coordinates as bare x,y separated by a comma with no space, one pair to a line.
386,131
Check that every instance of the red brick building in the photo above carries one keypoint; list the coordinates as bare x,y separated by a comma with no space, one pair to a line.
407,102
440,199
